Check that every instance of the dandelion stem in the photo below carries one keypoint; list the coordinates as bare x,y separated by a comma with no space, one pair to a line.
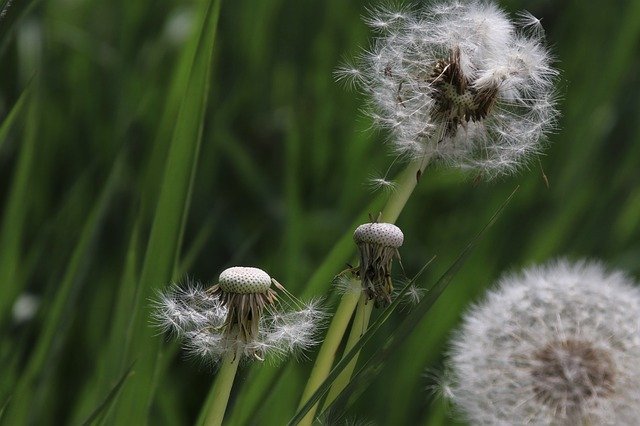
329,347
407,183
360,324
216,404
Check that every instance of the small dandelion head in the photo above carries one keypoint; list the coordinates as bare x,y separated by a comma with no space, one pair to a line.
378,244
459,82
244,280
556,344
246,313
380,234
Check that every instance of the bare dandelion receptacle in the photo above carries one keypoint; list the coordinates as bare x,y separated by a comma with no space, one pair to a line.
378,245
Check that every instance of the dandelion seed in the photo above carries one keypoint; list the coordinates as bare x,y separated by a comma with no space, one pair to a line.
460,83
378,244
381,183
247,312
556,344
412,295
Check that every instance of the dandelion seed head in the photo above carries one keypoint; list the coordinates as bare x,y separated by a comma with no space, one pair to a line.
246,313
459,82
378,244
555,344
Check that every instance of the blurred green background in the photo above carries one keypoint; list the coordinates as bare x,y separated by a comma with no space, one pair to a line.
108,192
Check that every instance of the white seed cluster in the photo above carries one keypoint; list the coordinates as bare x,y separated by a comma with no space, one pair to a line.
199,318
554,345
382,234
458,82
244,280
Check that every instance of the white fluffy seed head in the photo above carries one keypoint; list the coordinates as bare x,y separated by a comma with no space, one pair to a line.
460,83
244,280
382,234
556,344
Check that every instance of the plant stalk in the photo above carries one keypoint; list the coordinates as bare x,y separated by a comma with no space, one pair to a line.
358,328
215,406
329,348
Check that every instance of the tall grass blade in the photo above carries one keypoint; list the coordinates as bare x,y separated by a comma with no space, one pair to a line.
15,214
99,411
35,382
9,120
162,254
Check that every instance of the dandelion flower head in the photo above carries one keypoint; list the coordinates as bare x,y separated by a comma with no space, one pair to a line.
460,83
378,244
556,344
246,313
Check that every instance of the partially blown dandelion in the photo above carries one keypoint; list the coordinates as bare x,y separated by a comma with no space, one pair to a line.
459,82
557,344
378,244
247,313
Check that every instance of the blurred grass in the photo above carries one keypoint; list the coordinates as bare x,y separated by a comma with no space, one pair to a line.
281,173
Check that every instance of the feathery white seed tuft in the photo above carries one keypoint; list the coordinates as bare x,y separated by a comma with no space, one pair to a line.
555,344
200,317
460,83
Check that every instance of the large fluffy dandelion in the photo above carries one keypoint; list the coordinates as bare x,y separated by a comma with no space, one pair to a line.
460,83
556,344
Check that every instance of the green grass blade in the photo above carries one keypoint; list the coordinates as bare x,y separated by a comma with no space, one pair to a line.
35,382
3,409
109,398
9,120
395,338
163,248
15,214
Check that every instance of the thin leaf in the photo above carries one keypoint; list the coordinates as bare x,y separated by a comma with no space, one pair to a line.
35,382
4,409
109,398
15,214
9,120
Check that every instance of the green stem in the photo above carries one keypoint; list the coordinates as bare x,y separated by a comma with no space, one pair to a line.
327,353
406,184
326,356
360,324
215,406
